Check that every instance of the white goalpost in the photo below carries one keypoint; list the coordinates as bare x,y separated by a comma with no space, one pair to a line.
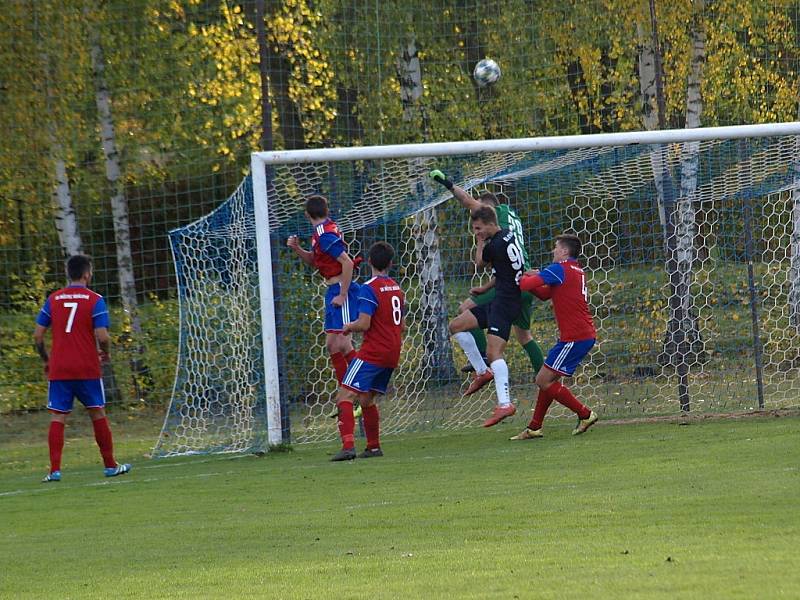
661,285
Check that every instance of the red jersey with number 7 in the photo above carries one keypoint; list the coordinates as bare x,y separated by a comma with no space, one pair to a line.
74,313
382,299
570,298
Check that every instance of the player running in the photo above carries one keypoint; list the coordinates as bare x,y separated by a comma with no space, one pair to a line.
79,320
381,307
565,284
329,256
482,295
496,247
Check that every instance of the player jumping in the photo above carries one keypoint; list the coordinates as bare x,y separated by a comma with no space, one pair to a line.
496,247
381,307
329,256
482,295
565,284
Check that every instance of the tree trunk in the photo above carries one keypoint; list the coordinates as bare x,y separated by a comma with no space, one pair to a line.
64,215
433,304
119,209
65,219
647,85
683,315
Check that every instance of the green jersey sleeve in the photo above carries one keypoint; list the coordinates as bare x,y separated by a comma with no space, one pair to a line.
508,219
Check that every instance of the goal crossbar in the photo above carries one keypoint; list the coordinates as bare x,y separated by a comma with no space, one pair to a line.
565,142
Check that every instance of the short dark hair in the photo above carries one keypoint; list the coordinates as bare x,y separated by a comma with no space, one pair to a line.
572,242
489,198
485,213
381,255
77,266
317,206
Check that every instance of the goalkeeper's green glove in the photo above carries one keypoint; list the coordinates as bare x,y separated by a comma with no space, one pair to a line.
440,177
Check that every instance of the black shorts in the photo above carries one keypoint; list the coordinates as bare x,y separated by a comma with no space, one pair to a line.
498,316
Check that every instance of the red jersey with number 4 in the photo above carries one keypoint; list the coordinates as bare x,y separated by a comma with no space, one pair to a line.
570,298
73,313
327,244
384,301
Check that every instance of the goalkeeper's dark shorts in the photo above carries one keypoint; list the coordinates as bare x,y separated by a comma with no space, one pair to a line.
523,320
497,316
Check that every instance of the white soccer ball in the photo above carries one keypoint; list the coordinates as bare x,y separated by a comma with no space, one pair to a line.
486,72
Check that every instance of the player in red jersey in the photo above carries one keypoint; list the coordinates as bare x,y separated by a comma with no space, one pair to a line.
329,256
79,321
564,283
381,307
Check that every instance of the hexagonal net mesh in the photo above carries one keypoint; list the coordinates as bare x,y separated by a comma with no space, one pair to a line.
692,253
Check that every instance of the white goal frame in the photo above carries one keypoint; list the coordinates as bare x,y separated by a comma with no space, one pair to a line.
260,161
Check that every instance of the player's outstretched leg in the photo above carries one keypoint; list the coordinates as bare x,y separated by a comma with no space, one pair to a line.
480,341
562,394
504,408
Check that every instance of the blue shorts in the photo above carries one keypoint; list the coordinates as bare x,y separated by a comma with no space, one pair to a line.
62,392
565,357
337,316
364,377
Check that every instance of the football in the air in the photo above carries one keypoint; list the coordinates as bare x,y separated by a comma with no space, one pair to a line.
486,72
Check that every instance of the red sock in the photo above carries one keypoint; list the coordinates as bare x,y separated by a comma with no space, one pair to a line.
350,356
565,397
339,365
372,426
347,424
102,435
55,440
543,403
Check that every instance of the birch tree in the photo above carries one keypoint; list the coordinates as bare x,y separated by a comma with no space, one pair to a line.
433,303
119,208
683,326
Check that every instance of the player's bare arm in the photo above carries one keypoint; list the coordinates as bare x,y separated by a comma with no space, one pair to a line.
482,289
344,279
305,255
104,343
479,262
361,324
466,199
38,343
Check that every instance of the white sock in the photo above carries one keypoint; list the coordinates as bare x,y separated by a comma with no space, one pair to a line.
500,370
470,348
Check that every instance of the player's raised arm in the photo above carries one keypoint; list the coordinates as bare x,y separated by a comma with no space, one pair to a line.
306,256
466,200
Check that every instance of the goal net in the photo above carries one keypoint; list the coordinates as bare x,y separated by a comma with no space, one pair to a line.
691,245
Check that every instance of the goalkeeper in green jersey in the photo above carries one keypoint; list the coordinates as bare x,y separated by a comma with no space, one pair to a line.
484,294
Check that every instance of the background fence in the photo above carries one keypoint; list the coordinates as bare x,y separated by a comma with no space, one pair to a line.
122,120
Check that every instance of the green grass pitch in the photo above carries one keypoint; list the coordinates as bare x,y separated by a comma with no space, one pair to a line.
647,510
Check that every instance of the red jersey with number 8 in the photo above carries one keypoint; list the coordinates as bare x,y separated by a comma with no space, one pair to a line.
384,301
